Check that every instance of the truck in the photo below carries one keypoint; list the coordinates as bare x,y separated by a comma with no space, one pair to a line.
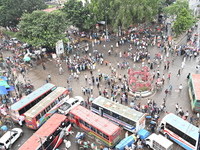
158,142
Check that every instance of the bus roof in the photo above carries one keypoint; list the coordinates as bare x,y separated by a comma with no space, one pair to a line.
182,125
196,84
95,120
47,129
35,94
118,108
45,102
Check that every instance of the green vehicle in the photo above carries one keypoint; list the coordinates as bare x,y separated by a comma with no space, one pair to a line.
194,91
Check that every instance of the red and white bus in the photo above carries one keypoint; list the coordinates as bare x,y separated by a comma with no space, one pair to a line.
96,126
50,135
43,110
19,108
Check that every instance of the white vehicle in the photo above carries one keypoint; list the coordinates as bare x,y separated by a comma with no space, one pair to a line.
158,142
14,40
69,104
9,138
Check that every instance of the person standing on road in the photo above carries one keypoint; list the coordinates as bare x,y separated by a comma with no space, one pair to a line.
49,77
186,115
177,107
180,87
43,66
192,120
166,92
179,72
61,70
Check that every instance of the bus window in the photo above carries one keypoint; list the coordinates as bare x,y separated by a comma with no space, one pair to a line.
106,111
115,115
93,129
48,108
81,121
105,136
42,113
95,106
21,111
38,117
132,123
99,132
87,125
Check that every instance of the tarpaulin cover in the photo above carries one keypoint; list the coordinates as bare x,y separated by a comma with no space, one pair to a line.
143,134
11,88
3,90
4,83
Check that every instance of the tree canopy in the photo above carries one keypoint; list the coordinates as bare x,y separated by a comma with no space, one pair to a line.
12,10
183,22
75,13
43,29
175,8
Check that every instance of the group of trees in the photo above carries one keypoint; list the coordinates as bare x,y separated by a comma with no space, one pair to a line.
12,10
182,14
41,28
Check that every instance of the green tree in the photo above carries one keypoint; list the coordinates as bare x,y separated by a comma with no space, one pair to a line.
175,8
127,12
43,29
184,21
75,12
12,10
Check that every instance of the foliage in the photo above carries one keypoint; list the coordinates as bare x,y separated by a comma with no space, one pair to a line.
175,8
12,10
43,29
144,88
75,12
184,21
126,12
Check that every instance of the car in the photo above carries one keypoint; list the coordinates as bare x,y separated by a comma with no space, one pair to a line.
9,138
69,104
14,40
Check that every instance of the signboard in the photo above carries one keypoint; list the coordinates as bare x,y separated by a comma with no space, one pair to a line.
101,22
59,47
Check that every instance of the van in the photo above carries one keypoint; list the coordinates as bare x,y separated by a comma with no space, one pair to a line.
9,138
158,142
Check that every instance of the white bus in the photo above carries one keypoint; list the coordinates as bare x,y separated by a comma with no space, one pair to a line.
180,131
121,115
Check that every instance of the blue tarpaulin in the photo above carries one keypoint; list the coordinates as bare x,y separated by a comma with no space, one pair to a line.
11,88
3,90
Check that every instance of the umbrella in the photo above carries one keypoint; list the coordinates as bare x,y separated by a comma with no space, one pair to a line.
27,58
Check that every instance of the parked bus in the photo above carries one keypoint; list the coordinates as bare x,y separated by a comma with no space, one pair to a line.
49,136
96,126
180,131
194,91
43,110
124,116
19,108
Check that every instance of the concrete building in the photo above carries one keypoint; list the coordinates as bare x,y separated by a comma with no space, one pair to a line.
193,5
